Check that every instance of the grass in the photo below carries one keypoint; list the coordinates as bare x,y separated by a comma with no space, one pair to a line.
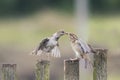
113,77
106,30
27,31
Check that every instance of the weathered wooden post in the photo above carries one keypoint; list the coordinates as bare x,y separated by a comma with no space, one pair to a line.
9,72
71,69
42,70
100,65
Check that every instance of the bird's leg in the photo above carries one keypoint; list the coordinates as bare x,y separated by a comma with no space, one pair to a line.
77,58
72,59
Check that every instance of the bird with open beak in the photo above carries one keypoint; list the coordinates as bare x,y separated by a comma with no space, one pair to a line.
81,48
49,46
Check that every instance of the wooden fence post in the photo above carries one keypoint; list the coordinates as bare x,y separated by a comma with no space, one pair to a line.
42,70
9,72
100,65
71,69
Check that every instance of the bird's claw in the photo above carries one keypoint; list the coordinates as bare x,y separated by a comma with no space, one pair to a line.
74,58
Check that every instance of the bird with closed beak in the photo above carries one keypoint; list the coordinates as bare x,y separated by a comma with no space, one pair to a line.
81,48
49,46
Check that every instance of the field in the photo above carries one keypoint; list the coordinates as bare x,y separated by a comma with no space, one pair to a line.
21,35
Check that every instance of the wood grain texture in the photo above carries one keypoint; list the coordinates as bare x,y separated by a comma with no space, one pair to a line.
9,72
42,70
100,65
71,70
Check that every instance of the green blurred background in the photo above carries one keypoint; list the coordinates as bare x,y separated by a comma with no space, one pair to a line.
23,23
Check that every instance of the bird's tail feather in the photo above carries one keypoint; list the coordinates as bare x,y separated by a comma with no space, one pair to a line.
87,60
92,49
55,52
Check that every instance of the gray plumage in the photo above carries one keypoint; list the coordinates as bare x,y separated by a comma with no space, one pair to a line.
49,45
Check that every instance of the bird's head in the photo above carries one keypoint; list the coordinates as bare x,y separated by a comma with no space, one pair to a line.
58,34
61,32
72,36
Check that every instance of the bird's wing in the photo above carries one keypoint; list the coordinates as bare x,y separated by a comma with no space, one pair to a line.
56,52
38,49
43,43
84,46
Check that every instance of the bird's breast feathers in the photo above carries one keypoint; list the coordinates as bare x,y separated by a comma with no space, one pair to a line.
76,47
52,42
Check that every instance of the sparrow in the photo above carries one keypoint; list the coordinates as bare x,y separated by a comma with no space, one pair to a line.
81,48
50,45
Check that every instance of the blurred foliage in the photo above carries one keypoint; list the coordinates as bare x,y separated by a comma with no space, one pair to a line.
12,7
27,31
19,36
9,7
105,6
